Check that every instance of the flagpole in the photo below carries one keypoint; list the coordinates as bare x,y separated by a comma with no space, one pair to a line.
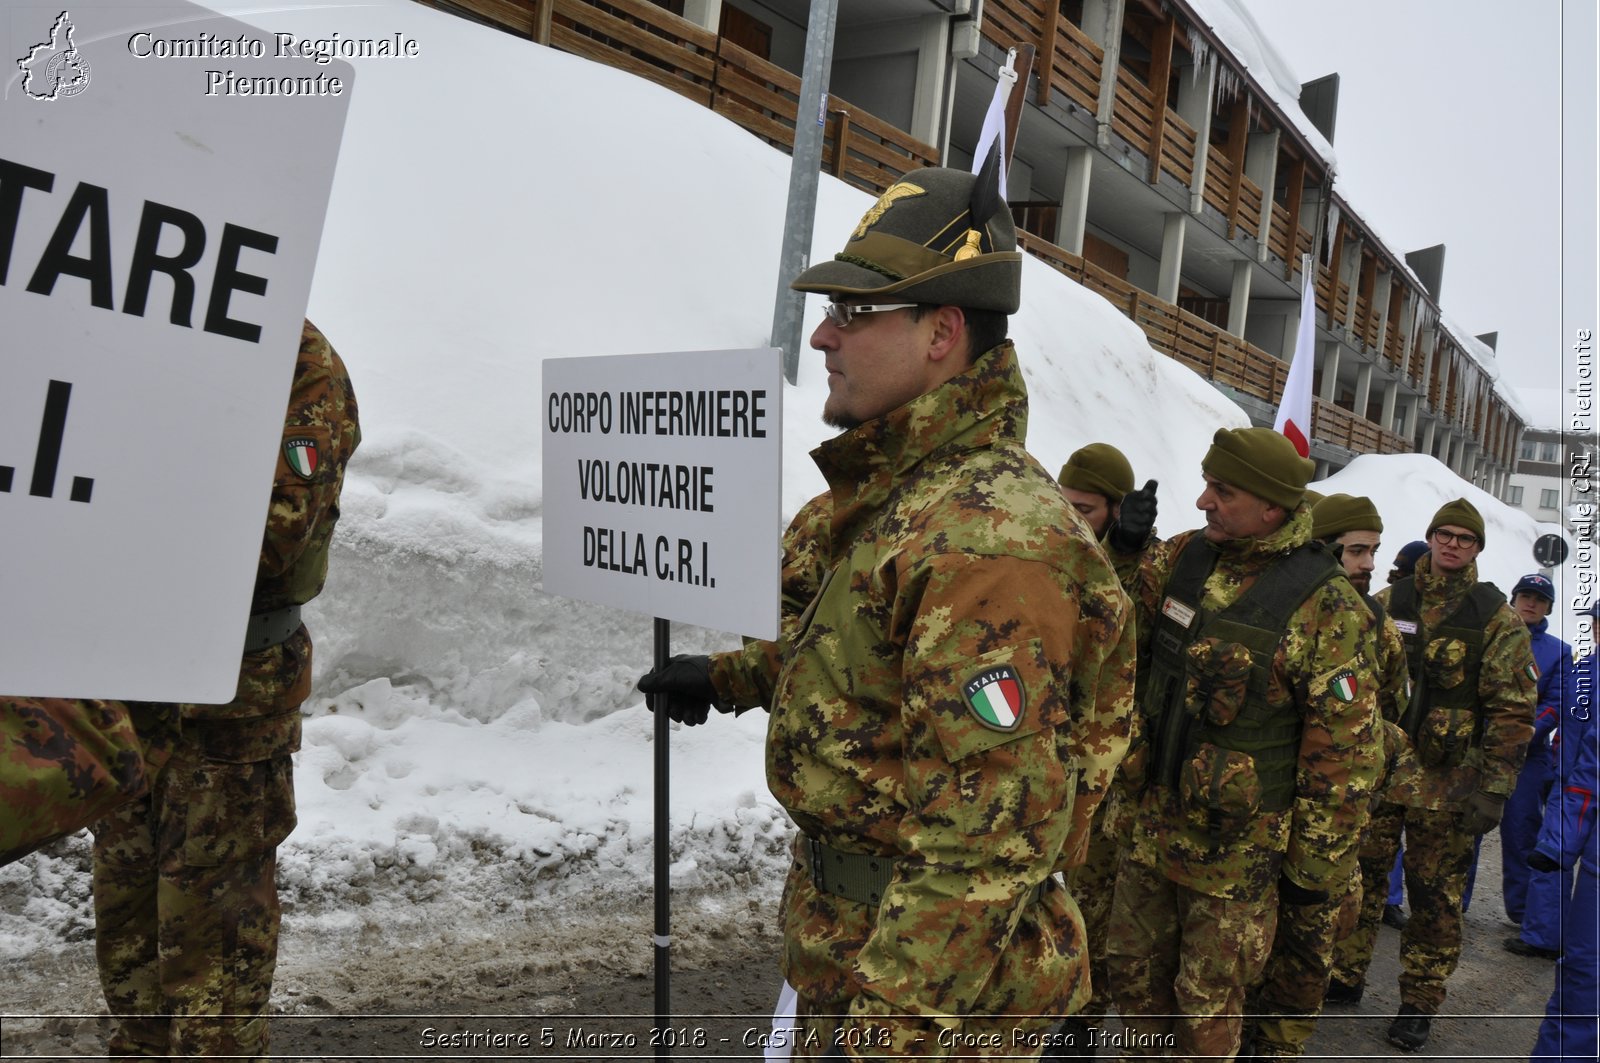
663,850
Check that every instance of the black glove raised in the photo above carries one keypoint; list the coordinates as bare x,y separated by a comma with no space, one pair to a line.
1135,520
1540,862
685,681
1291,892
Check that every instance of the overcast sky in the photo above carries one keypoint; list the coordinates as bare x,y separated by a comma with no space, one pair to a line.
1449,132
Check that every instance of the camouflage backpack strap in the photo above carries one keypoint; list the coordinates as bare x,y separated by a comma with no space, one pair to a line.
1257,621
1179,618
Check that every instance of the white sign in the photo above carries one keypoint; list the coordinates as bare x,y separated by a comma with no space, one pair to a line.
662,475
163,178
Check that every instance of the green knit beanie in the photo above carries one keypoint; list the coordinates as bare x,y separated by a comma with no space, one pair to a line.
1337,514
1098,467
1260,461
1462,514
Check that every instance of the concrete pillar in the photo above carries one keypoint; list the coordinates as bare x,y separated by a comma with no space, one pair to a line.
1322,470
1074,216
1413,411
1380,300
1108,21
1261,166
1429,342
1173,228
1330,372
1363,389
1391,395
707,14
1239,298
1429,429
933,70
1195,96
1350,266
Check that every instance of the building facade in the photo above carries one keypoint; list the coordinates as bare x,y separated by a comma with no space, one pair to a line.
1153,163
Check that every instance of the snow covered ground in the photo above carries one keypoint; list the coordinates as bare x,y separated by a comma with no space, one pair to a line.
473,744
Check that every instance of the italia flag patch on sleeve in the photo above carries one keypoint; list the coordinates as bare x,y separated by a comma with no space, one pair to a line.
996,697
1344,686
301,454
1533,672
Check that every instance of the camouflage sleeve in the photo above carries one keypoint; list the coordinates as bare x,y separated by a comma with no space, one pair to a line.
1001,657
320,431
745,677
1128,564
1341,747
1507,690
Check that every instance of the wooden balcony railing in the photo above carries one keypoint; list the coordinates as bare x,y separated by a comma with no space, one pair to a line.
1213,352
1178,149
1068,60
651,42
1133,116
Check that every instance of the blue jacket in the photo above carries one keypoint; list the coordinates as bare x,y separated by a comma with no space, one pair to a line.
1554,660
1569,831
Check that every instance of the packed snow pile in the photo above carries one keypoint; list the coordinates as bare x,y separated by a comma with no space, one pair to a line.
472,741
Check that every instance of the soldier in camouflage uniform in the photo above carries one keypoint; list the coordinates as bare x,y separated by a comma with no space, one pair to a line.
1285,1003
185,893
1470,719
1097,480
947,710
1257,753
65,763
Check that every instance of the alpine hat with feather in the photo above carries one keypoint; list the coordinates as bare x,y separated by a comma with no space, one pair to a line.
938,236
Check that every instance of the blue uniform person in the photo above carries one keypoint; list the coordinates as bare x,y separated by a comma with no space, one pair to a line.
1570,1026
1535,899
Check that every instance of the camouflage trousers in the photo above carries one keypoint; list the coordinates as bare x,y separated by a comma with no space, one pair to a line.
1285,1004
1092,885
1180,962
1438,857
185,893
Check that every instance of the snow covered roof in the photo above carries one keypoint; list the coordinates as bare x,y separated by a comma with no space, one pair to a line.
1236,29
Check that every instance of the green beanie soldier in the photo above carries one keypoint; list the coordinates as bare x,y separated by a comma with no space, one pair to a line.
1258,754
1470,718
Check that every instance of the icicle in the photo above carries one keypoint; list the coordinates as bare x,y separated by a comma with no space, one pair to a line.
1200,48
1333,233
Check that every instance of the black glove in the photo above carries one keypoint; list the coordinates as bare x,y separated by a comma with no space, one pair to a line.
686,682
1291,892
1482,813
1135,520
1540,862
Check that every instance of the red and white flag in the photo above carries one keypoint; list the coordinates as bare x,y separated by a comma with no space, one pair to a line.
1294,410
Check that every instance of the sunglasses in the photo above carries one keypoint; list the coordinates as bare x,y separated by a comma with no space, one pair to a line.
1464,539
842,314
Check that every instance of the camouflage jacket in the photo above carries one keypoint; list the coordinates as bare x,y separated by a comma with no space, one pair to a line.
320,431
1495,737
956,574
745,677
1313,842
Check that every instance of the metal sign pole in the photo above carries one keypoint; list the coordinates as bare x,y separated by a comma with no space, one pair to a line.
663,852
788,314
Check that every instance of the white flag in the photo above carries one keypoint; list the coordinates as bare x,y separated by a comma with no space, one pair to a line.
994,122
1294,410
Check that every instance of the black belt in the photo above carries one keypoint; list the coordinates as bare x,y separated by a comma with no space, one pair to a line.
861,877
268,629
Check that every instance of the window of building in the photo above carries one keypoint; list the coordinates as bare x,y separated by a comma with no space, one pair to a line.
1529,450
1547,452
1550,499
1516,496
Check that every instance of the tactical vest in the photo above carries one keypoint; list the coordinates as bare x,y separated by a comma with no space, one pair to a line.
1256,621
1468,624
